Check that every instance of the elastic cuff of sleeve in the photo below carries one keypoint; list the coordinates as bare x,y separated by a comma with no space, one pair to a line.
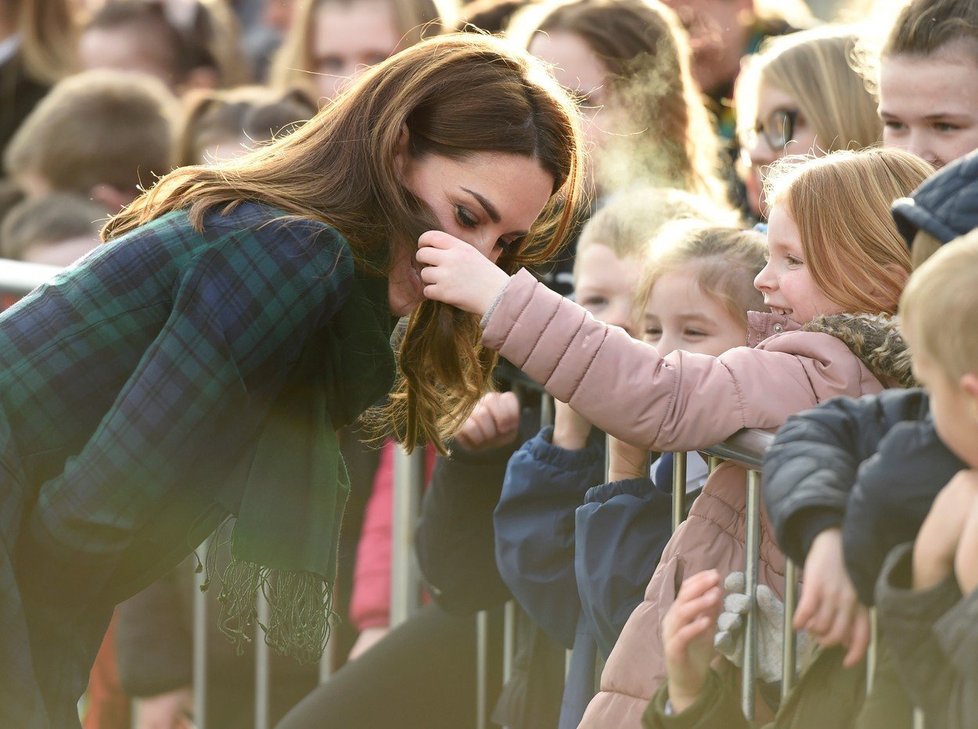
542,448
810,523
639,487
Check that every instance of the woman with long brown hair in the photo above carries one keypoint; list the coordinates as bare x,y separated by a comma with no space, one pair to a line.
197,364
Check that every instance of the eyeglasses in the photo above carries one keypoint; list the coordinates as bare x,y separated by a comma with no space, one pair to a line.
778,129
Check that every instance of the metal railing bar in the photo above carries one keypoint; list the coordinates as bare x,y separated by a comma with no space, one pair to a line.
678,489
481,669
751,555
789,645
18,278
262,665
199,670
405,575
745,447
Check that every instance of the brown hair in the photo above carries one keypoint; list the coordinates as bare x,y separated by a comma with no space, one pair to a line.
455,95
924,27
726,261
489,16
841,205
666,136
813,67
256,112
415,19
48,37
96,127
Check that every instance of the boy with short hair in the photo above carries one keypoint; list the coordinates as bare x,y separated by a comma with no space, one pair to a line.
927,595
101,134
55,229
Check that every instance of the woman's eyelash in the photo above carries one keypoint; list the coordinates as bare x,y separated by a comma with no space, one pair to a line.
464,217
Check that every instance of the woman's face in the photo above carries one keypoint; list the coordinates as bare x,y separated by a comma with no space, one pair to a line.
348,38
780,129
579,70
929,104
488,199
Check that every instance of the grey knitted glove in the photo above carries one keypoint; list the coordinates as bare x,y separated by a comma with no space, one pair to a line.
731,625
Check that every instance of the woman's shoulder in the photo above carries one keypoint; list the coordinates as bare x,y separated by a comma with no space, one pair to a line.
267,222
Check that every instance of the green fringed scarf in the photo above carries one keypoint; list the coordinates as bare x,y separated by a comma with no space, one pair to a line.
293,485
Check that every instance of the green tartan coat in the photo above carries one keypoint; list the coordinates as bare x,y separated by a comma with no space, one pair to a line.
129,386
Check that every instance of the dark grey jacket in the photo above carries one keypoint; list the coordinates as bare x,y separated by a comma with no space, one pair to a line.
871,466
945,204
933,637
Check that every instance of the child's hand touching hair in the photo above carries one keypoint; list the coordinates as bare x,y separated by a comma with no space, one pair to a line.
829,608
457,273
687,631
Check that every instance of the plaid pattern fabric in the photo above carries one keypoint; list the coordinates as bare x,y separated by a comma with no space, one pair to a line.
139,373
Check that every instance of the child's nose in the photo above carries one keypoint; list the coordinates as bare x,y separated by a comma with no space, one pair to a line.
764,281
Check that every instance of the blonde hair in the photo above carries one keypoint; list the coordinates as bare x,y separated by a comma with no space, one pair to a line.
724,260
97,127
938,307
630,219
924,27
841,206
924,246
813,67
48,37
293,64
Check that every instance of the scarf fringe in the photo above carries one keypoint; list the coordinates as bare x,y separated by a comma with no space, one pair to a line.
300,609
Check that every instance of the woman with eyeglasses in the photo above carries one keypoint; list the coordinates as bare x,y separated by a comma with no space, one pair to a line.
800,95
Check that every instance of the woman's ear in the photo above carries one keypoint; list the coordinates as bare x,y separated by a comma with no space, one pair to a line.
403,154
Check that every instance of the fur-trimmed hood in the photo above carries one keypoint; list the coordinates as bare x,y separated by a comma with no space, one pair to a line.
875,339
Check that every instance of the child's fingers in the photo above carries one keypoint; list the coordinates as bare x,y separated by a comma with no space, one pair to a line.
680,639
806,607
698,584
504,409
690,609
438,239
859,640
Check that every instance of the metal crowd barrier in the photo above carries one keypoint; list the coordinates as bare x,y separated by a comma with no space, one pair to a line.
18,278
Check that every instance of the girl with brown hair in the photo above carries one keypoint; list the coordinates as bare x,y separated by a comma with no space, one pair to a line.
198,363
627,61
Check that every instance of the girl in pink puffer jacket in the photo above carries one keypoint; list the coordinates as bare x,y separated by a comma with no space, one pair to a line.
834,252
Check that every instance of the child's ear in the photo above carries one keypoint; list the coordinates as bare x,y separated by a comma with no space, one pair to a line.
201,78
111,198
969,383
